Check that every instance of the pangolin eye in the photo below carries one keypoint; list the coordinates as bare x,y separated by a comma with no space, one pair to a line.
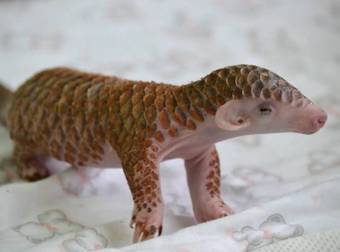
265,109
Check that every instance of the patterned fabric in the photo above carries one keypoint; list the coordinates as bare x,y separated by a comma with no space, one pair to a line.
324,241
283,187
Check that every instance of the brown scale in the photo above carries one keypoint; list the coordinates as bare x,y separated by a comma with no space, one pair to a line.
71,115
213,178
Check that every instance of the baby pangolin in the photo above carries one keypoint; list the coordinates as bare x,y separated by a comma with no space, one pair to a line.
101,121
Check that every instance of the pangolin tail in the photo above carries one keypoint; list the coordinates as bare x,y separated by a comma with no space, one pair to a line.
5,99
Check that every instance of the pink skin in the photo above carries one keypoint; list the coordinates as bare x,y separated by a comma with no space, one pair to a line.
206,207
235,118
258,116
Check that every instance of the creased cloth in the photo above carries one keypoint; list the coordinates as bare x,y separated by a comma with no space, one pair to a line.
324,241
284,188
90,209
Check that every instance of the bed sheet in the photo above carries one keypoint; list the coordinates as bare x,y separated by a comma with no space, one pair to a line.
282,186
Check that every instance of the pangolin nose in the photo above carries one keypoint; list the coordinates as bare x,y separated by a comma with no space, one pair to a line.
320,120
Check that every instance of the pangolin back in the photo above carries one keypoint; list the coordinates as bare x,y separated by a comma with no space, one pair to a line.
71,114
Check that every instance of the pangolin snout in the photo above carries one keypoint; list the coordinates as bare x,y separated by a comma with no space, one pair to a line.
319,120
310,119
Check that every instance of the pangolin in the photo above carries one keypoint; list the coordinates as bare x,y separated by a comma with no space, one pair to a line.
93,120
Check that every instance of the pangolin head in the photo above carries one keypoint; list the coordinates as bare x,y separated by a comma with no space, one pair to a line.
251,99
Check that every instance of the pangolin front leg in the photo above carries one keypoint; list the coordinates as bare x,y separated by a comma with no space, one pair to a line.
203,175
142,173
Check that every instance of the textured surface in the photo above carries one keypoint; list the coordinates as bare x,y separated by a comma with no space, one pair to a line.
71,115
83,118
176,43
327,241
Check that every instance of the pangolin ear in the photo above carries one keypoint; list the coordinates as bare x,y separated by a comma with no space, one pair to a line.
230,117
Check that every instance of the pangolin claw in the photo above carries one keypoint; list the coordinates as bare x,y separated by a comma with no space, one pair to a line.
133,222
144,232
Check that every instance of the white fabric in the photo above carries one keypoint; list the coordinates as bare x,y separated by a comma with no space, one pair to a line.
324,241
281,186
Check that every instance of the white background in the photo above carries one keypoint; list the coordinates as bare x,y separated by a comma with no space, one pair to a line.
176,42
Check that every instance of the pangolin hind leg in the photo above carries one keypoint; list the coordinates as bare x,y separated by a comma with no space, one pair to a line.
31,164
142,174
203,175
